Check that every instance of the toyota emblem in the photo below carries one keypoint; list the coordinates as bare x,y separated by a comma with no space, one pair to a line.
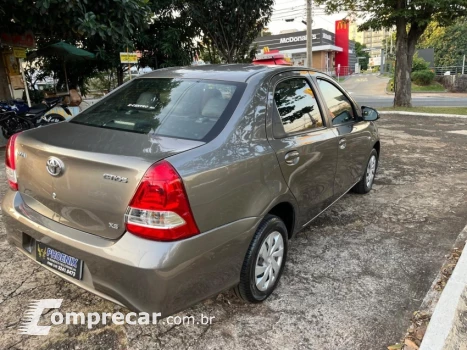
55,166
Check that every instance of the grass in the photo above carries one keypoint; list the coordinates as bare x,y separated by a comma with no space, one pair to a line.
435,110
433,87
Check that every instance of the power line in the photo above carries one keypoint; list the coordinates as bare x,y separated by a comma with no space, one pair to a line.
290,9
287,13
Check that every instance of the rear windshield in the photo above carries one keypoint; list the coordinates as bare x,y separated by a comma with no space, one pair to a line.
180,108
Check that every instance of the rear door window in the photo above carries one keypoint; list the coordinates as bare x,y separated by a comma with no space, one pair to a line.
180,108
297,106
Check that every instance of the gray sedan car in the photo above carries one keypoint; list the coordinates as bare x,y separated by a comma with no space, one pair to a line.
185,182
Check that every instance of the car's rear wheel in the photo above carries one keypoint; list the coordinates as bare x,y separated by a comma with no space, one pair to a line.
264,261
366,183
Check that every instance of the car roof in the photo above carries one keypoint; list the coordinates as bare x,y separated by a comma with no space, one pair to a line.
225,72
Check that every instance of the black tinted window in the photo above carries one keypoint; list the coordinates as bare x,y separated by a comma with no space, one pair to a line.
340,107
190,109
297,106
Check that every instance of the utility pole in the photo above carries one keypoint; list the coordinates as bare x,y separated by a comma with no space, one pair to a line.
309,34
390,33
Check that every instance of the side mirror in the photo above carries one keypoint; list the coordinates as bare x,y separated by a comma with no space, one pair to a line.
369,114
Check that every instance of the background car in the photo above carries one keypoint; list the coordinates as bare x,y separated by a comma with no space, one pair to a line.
187,181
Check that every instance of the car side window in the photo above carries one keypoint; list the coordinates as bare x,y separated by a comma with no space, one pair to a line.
338,104
297,106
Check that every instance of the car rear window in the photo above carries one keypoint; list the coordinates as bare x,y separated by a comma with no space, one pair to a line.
181,108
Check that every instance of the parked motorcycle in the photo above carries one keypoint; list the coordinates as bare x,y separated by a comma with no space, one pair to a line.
13,121
17,105
38,113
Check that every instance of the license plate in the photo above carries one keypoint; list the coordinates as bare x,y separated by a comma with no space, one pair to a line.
57,260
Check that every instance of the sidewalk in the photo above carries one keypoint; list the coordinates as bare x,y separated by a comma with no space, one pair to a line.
435,94
447,329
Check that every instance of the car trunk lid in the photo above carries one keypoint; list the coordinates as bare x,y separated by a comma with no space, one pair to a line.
100,172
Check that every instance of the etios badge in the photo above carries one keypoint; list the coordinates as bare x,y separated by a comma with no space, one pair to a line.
55,166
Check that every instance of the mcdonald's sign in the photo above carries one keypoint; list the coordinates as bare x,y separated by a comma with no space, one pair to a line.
265,49
343,24
342,40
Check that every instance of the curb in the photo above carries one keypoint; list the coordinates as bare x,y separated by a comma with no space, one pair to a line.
420,92
422,114
444,315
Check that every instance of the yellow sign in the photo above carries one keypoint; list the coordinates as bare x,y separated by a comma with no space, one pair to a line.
265,49
11,64
19,52
309,92
342,24
128,57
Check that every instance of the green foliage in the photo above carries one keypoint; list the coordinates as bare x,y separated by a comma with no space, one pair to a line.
104,27
359,49
410,18
170,38
209,53
114,21
450,43
36,96
419,64
423,77
230,25
386,13
103,81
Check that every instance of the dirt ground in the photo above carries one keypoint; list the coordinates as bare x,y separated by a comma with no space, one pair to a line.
353,277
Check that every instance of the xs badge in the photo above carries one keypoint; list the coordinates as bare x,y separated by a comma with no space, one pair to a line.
116,178
114,226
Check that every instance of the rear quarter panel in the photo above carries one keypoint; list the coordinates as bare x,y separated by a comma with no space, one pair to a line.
236,175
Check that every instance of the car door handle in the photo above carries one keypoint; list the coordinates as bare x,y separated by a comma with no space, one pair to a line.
292,157
342,143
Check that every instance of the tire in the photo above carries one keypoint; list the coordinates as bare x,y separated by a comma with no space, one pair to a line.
14,125
366,183
52,118
271,233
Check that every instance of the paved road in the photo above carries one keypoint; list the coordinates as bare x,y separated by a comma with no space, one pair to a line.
352,280
370,90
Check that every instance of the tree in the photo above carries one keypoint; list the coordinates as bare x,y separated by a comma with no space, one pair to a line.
360,51
411,18
209,53
104,27
171,39
231,26
450,43
113,21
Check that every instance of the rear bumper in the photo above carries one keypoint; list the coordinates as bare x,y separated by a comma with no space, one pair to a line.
140,274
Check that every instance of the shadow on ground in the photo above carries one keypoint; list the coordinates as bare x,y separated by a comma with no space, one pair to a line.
352,280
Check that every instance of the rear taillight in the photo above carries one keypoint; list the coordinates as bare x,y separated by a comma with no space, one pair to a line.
160,209
10,163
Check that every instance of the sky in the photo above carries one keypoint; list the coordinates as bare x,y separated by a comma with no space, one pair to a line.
284,9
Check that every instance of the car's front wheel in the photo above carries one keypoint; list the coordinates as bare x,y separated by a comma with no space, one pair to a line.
264,261
366,183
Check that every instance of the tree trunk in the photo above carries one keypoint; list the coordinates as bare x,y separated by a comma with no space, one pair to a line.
402,81
119,75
